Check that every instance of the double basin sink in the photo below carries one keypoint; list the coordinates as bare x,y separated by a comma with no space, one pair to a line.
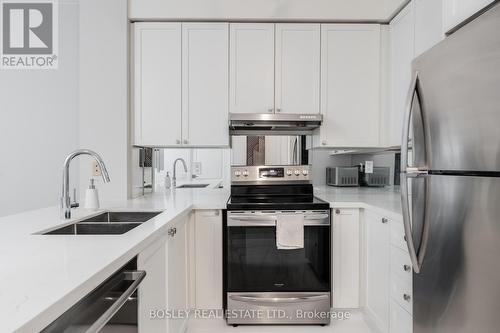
109,223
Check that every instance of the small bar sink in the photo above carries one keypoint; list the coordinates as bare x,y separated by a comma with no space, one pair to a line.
193,186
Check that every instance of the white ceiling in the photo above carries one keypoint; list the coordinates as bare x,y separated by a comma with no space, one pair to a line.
255,10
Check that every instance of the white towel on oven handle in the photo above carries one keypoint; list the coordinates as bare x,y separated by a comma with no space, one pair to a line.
290,232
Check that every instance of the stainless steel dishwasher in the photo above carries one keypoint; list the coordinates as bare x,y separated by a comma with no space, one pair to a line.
111,307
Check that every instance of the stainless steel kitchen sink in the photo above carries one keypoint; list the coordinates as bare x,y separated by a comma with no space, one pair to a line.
120,217
94,229
193,186
109,223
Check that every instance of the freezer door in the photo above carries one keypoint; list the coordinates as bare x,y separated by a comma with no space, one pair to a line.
458,287
459,93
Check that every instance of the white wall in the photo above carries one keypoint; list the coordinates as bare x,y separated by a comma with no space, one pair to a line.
39,124
103,118
307,10
46,114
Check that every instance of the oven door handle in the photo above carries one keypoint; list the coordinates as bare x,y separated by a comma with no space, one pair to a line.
316,217
243,221
266,300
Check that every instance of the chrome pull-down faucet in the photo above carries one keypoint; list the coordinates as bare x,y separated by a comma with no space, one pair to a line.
65,198
174,178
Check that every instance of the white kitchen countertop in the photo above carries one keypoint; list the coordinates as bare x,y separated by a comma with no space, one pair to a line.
44,275
386,201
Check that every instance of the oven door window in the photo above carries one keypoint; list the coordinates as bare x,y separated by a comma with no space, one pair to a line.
255,264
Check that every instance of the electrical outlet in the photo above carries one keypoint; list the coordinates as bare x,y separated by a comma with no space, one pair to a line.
96,170
196,168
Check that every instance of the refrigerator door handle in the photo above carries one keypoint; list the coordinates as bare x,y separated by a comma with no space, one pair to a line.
410,172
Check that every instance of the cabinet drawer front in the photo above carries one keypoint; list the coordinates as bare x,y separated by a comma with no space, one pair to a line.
398,235
400,320
401,263
401,292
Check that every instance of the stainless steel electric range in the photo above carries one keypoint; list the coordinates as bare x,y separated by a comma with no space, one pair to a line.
264,284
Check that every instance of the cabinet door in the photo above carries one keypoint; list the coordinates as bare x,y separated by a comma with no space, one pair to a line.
153,289
208,259
297,68
350,85
157,83
378,269
177,292
251,67
428,24
401,321
345,257
456,12
205,71
402,53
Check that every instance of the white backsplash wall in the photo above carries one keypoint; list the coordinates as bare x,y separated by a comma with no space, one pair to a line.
321,159
214,164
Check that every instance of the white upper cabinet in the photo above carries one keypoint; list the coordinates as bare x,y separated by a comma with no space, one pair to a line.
157,83
205,83
456,12
428,24
181,84
251,68
402,51
297,68
350,85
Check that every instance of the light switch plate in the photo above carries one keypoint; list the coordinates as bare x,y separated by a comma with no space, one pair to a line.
368,166
197,168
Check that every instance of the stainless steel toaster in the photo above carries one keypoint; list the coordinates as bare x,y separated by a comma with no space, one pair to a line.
342,176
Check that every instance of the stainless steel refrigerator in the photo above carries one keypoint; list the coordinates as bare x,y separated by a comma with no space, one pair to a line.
451,187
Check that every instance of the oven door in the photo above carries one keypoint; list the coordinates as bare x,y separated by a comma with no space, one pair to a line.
254,263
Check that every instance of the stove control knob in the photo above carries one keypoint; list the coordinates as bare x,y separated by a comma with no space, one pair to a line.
289,172
305,172
297,172
245,173
237,173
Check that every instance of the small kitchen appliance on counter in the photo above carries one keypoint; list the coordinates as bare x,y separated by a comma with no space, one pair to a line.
269,274
342,176
380,176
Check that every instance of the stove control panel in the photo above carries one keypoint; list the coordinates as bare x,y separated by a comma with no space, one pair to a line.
271,174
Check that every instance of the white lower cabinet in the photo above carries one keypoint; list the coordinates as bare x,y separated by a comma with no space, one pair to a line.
401,321
208,259
153,289
165,286
377,269
177,261
345,258
388,275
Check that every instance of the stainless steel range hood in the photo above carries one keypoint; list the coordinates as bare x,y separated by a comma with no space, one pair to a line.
273,123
